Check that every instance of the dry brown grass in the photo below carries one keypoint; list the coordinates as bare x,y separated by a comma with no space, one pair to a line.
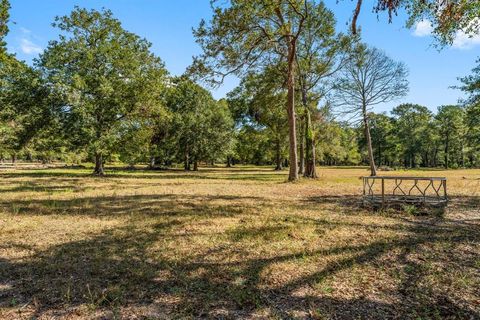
238,243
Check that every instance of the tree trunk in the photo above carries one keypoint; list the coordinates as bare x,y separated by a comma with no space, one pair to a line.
301,165
14,158
195,165
446,152
229,162
379,148
293,161
186,163
99,165
310,171
278,156
151,165
373,169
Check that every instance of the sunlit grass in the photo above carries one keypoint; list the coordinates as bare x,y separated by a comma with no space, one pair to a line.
231,243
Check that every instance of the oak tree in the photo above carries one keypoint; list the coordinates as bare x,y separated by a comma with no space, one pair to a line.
105,74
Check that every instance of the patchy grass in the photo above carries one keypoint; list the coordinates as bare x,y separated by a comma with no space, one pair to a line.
238,243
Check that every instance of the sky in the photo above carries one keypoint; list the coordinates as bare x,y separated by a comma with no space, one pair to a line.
168,26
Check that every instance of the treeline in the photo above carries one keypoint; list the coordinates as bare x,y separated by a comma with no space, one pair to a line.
415,137
410,136
99,94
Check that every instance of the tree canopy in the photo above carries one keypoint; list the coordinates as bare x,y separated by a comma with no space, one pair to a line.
104,73
98,93
447,18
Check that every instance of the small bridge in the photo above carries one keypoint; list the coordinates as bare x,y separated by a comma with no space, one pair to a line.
382,191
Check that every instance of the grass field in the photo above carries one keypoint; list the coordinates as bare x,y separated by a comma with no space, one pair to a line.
239,243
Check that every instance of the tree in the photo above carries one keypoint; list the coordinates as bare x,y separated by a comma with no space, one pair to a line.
411,123
253,145
349,143
431,145
23,96
472,122
369,78
259,99
320,54
201,127
447,17
4,18
7,61
450,121
142,134
471,86
248,35
383,140
105,75
27,105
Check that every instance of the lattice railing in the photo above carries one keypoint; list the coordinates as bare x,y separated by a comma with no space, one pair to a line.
409,190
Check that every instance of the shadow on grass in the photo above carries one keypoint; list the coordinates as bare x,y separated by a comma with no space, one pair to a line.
153,205
133,266
263,175
67,185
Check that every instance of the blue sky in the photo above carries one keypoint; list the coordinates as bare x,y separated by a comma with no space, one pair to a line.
168,25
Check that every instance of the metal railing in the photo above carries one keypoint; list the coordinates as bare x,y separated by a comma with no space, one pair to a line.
385,191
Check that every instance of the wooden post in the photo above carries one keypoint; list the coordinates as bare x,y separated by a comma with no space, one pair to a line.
364,201
445,189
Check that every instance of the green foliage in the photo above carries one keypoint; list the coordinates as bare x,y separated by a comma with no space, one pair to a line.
253,146
412,121
245,36
473,132
105,75
201,128
447,18
471,86
451,125
260,99
98,91
28,106
4,18
384,142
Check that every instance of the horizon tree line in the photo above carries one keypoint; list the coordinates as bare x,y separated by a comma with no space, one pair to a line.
98,93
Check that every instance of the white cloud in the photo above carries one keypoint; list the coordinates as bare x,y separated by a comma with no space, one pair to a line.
28,47
423,28
462,40
25,30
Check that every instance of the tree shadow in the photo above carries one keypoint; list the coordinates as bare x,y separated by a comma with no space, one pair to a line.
176,174
135,266
348,203
129,267
152,205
